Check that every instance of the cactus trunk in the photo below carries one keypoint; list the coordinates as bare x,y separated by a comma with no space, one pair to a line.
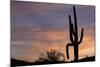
75,52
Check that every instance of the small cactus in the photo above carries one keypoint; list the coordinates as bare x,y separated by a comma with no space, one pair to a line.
73,29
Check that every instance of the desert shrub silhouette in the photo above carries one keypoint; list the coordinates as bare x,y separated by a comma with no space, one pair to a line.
73,31
51,56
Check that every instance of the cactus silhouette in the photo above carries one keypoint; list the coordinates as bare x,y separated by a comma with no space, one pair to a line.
73,31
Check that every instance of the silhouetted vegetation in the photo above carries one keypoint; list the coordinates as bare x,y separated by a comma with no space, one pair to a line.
73,30
51,56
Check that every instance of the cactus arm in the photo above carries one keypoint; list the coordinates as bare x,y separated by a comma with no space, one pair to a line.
71,29
75,21
67,50
81,37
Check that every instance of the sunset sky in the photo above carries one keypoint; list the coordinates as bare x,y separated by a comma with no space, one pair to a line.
38,27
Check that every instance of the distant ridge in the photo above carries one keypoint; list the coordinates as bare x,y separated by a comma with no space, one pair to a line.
86,59
15,62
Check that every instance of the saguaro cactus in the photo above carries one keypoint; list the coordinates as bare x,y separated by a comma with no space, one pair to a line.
73,29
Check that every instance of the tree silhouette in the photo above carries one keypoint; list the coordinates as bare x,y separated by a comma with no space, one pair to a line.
73,30
51,56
